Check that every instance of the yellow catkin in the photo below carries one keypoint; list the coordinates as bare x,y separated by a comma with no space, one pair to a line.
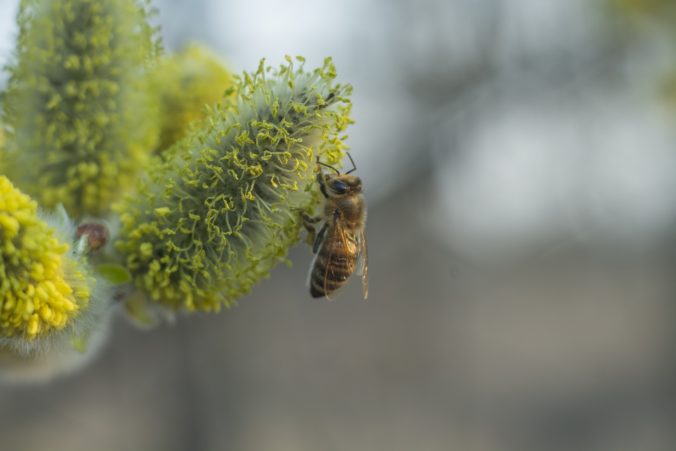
41,287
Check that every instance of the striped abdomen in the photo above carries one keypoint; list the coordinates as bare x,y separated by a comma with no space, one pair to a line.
336,260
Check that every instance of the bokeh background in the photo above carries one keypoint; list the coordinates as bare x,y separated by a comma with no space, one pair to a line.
519,163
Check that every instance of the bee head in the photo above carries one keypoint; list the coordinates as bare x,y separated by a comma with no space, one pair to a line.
339,185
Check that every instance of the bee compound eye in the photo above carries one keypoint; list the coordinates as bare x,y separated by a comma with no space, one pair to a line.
339,187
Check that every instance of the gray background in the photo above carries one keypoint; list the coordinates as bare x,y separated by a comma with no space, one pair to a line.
519,167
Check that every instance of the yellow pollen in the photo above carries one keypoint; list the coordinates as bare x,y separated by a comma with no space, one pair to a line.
36,274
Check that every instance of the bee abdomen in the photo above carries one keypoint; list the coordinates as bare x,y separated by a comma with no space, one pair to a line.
330,273
318,288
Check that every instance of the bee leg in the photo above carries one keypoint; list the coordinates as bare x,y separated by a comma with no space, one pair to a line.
319,238
308,223
322,184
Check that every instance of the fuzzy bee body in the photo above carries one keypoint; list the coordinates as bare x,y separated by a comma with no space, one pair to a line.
340,245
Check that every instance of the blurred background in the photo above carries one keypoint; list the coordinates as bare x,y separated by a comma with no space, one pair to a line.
519,165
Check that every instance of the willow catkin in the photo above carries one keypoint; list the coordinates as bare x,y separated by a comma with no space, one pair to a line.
81,121
224,207
48,294
187,81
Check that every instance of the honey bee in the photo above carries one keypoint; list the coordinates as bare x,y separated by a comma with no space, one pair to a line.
340,245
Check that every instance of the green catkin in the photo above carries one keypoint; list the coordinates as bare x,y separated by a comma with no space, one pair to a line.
187,81
2,149
223,209
656,8
81,121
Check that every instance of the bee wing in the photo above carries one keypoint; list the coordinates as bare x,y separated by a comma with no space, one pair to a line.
316,245
340,235
308,281
344,238
363,265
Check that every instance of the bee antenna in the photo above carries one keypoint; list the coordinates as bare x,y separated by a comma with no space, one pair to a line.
354,166
328,166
